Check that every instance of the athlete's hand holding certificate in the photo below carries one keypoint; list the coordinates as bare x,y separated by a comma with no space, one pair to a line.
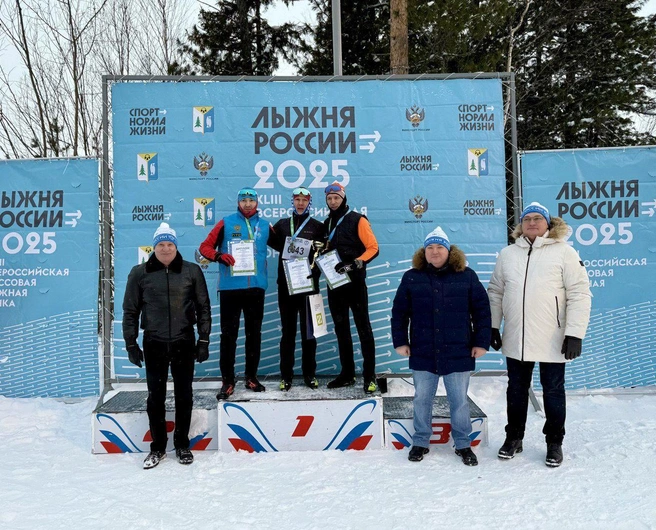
327,264
244,254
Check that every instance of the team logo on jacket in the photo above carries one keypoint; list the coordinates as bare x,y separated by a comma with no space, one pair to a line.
203,211
143,253
203,163
415,115
418,206
477,165
147,166
203,120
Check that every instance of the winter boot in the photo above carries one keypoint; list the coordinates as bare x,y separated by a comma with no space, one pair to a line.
554,455
285,385
253,384
153,458
417,453
509,448
311,382
226,391
468,456
185,456
341,381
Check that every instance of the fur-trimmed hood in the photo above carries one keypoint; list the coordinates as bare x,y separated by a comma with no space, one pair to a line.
457,259
557,229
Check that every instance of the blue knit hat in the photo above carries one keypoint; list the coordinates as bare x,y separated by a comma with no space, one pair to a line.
536,207
247,193
165,233
437,237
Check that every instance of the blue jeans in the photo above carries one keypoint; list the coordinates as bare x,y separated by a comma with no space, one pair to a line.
456,385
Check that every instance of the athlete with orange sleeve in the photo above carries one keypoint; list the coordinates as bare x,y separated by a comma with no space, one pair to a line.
351,235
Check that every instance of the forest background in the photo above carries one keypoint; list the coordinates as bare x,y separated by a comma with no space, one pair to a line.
585,69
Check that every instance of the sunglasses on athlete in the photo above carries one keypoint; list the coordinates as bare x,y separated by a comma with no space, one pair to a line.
333,188
301,191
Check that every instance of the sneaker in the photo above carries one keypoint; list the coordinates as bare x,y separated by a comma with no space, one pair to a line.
341,381
185,456
468,456
311,382
253,384
370,387
153,458
417,453
554,455
509,448
285,385
226,391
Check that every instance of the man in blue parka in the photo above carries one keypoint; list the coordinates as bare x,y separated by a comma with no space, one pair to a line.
446,309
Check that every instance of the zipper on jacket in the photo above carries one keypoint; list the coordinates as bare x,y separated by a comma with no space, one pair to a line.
168,300
524,297
557,312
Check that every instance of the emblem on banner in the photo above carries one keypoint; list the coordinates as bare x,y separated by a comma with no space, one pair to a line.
143,253
477,165
203,120
418,206
203,211
415,115
203,163
147,166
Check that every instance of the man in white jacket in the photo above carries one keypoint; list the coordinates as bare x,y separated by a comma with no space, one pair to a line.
540,290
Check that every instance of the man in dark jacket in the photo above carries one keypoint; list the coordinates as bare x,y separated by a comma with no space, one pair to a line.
296,237
170,296
447,309
350,234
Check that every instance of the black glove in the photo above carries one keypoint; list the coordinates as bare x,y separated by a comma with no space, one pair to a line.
343,268
135,355
202,350
571,347
496,339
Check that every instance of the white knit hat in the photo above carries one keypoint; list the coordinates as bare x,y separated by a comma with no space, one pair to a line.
165,233
437,237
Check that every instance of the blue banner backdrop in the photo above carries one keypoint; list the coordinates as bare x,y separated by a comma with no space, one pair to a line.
412,155
608,198
49,278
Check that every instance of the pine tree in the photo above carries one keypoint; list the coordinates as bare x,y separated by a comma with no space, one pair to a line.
365,39
582,66
236,39
458,36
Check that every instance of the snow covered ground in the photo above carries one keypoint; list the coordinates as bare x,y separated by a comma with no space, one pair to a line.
49,479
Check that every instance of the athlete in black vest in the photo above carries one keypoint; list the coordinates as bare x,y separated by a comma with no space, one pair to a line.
350,234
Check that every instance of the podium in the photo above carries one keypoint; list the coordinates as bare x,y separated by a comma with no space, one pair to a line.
301,419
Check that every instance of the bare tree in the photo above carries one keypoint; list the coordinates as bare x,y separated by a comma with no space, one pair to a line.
64,47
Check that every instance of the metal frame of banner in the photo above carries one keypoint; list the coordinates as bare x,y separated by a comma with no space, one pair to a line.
107,303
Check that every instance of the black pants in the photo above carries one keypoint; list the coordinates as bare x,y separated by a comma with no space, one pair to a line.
251,302
159,356
353,296
552,379
290,308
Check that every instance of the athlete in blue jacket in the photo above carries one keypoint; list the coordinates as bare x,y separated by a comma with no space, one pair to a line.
240,293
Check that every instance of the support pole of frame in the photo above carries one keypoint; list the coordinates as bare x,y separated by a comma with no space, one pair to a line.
517,183
337,37
105,243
